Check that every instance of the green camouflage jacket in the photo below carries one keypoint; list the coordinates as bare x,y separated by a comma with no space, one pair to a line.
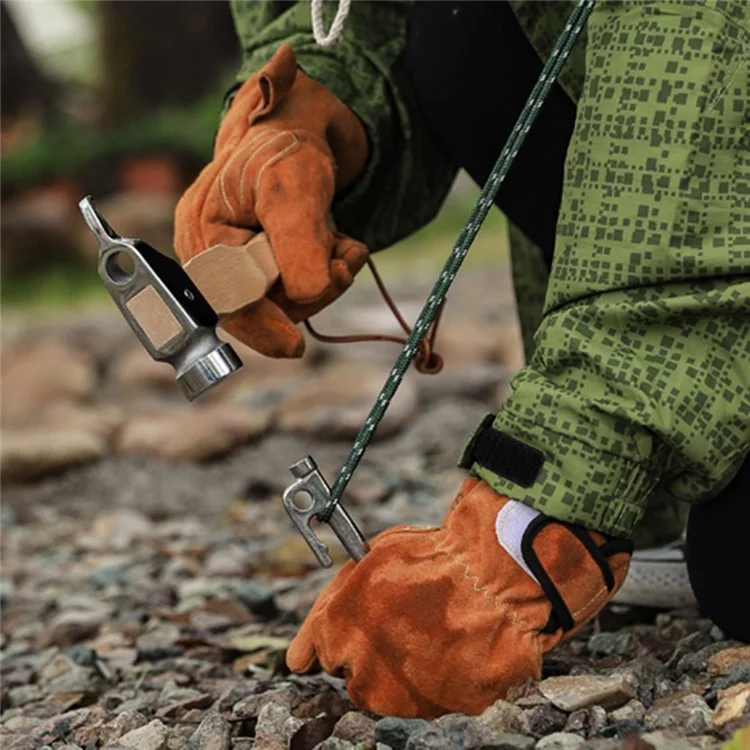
639,379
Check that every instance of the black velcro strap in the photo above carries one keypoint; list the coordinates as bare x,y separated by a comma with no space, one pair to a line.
508,457
560,616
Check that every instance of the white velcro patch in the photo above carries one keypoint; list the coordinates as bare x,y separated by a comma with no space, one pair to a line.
510,526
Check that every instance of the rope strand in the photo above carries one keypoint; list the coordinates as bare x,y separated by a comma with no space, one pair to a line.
465,239
329,38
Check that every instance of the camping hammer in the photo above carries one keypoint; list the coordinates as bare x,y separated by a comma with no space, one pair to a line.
174,320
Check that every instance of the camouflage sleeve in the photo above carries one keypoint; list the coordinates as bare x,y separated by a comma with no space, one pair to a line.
407,175
640,380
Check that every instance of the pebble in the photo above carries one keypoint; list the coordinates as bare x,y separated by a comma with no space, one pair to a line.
21,723
32,452
503,716
151,736
191,433
560,741
334,743
689,713
545,719
39,373
611,643
569,693
728,658
270,724
459,729
354,726
734,702
396,732
20,696
123,723
634,710
213,733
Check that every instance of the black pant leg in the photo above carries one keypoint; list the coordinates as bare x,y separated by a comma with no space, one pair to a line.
472,69
718,556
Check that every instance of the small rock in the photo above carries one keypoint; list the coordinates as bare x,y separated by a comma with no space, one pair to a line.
179,736
271,720
18,724
545,719
673,741
696,661
72,627
511,741
578,722
116,532
32,452
463,731
569,693
108,575
631,710
597,721
611,643
225,563
688,713
396,732
174,702
255,596
334,743
723,661
123,723
740,673
303,734
560,741
137,372
643,672
734,702
354,727
503,716
212,733
152,736
192,434
37,374
251,706
431,738
20,696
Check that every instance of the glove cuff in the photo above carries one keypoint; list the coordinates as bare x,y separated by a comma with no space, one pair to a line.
517,527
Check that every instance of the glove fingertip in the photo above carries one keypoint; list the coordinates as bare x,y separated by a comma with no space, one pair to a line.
301,656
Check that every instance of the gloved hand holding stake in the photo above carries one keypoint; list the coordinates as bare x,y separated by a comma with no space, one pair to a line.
285,147
447,619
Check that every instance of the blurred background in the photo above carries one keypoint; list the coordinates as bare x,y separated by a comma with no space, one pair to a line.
121,100
97,98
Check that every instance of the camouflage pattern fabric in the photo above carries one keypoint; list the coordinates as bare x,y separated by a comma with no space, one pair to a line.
639,384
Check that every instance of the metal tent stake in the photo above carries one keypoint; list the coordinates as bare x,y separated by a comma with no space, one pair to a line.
311,482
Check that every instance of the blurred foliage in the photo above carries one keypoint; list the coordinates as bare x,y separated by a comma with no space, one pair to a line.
420,255
64,287
70,149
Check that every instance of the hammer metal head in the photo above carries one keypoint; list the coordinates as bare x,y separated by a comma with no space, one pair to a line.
164,308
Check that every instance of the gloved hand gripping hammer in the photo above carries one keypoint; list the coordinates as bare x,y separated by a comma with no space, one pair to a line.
161,303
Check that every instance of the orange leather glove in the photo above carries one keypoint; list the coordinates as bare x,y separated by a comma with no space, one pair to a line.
285,147
433,621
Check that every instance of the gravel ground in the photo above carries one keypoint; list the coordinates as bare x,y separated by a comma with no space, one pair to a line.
151,581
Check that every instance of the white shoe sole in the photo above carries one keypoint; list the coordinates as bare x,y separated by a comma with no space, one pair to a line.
657,578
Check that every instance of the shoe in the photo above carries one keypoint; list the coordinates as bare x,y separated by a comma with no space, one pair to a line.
658,578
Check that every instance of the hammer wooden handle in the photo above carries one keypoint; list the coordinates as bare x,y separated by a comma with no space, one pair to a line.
231,278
